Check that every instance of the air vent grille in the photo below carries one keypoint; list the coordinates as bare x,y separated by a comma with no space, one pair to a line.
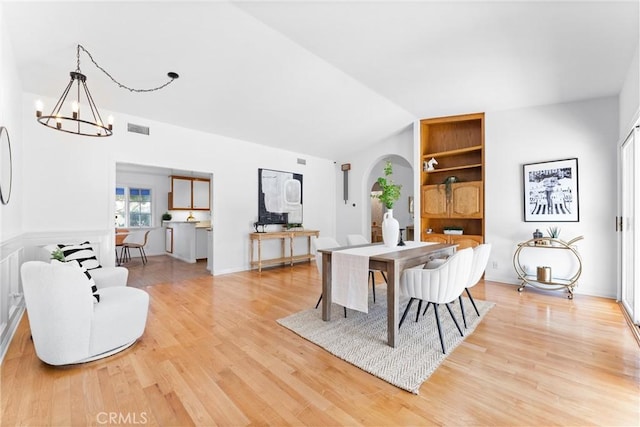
302,162
144,130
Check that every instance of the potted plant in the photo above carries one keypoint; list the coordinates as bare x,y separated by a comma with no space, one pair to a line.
453,229
166,216
554,233
390,191
389,195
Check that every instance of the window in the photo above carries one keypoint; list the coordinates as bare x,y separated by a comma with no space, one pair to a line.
133,207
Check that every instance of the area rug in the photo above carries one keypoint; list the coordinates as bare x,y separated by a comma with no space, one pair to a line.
361,338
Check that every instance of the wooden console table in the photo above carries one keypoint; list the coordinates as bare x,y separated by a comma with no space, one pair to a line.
282,235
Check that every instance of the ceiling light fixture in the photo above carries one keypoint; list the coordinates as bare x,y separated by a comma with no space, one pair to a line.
88,126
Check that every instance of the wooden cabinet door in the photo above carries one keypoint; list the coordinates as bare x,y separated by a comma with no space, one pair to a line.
464,242
466,200
201,193
434,202
436,238
181,193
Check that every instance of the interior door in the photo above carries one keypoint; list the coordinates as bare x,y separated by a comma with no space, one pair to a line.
630,239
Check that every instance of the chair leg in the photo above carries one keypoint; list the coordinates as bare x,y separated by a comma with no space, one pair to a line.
435,310
419,308
373,284
464,318
143,255
426,308
472,301
384,277
454,320
406,310
320,299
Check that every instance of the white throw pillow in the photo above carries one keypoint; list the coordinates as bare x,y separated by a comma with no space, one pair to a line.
90,281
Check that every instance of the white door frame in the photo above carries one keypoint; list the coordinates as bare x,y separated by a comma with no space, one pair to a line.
629,241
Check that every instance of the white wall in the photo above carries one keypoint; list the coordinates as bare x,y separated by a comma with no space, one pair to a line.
587,130
630,98
354,217
69,180
11,118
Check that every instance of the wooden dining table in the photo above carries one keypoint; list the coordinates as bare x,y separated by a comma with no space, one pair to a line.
393,264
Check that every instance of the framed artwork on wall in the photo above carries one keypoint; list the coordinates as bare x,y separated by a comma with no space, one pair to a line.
279,197
550,191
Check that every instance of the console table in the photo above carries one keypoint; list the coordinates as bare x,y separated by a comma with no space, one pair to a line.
283,236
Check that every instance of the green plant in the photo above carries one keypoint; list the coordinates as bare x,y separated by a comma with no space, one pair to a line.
453,227
448,181
58,255
554,232
390,191
166,216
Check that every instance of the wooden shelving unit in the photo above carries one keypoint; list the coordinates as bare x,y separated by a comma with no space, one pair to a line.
457,144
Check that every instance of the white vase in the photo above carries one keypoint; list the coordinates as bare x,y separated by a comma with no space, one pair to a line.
390,229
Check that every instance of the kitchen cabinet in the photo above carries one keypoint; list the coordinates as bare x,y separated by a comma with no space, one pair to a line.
462,240
188,193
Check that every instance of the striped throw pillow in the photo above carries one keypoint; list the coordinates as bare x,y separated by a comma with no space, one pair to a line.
83,253
90,281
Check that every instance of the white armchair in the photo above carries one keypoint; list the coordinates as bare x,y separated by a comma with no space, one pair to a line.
440,285
67,326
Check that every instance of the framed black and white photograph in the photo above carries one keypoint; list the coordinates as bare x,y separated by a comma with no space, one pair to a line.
551,191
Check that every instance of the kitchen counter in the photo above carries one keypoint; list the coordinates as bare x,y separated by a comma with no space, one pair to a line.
188,239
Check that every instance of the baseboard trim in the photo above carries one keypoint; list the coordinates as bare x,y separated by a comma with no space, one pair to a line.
635,329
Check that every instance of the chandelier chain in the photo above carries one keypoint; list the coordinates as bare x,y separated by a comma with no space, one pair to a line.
111,77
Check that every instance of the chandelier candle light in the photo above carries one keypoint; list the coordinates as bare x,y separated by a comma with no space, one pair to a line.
89,126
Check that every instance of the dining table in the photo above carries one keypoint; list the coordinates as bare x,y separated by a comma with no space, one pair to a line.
392,261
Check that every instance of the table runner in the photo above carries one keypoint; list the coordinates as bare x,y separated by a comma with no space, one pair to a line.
350,269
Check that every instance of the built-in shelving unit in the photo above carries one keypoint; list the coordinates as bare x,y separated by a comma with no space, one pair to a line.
457,144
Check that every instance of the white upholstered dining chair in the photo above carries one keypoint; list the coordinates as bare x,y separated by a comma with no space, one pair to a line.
435,286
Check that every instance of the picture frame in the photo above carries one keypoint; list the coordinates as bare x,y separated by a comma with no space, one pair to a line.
550,191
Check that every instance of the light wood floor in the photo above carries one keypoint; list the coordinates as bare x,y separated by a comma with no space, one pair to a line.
212,354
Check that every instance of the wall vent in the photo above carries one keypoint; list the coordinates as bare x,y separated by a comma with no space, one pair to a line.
144,130
302,162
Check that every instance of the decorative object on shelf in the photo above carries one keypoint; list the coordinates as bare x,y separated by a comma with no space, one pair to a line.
453,230
448,182
259,227
554,232
293,226
550,191
166,216
430,165
543,274
389,195
191,217
537,234
6,166
75,124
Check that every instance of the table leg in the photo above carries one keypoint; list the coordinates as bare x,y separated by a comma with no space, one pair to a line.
326,285
393,290
259,256
291,249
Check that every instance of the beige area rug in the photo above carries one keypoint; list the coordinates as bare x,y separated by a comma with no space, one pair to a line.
361,338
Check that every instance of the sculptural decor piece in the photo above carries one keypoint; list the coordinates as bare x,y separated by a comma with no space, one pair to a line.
550,191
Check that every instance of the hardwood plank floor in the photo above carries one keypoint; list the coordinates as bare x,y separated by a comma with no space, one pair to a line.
212,354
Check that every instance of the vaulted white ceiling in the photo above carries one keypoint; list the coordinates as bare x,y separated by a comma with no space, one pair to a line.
330,77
